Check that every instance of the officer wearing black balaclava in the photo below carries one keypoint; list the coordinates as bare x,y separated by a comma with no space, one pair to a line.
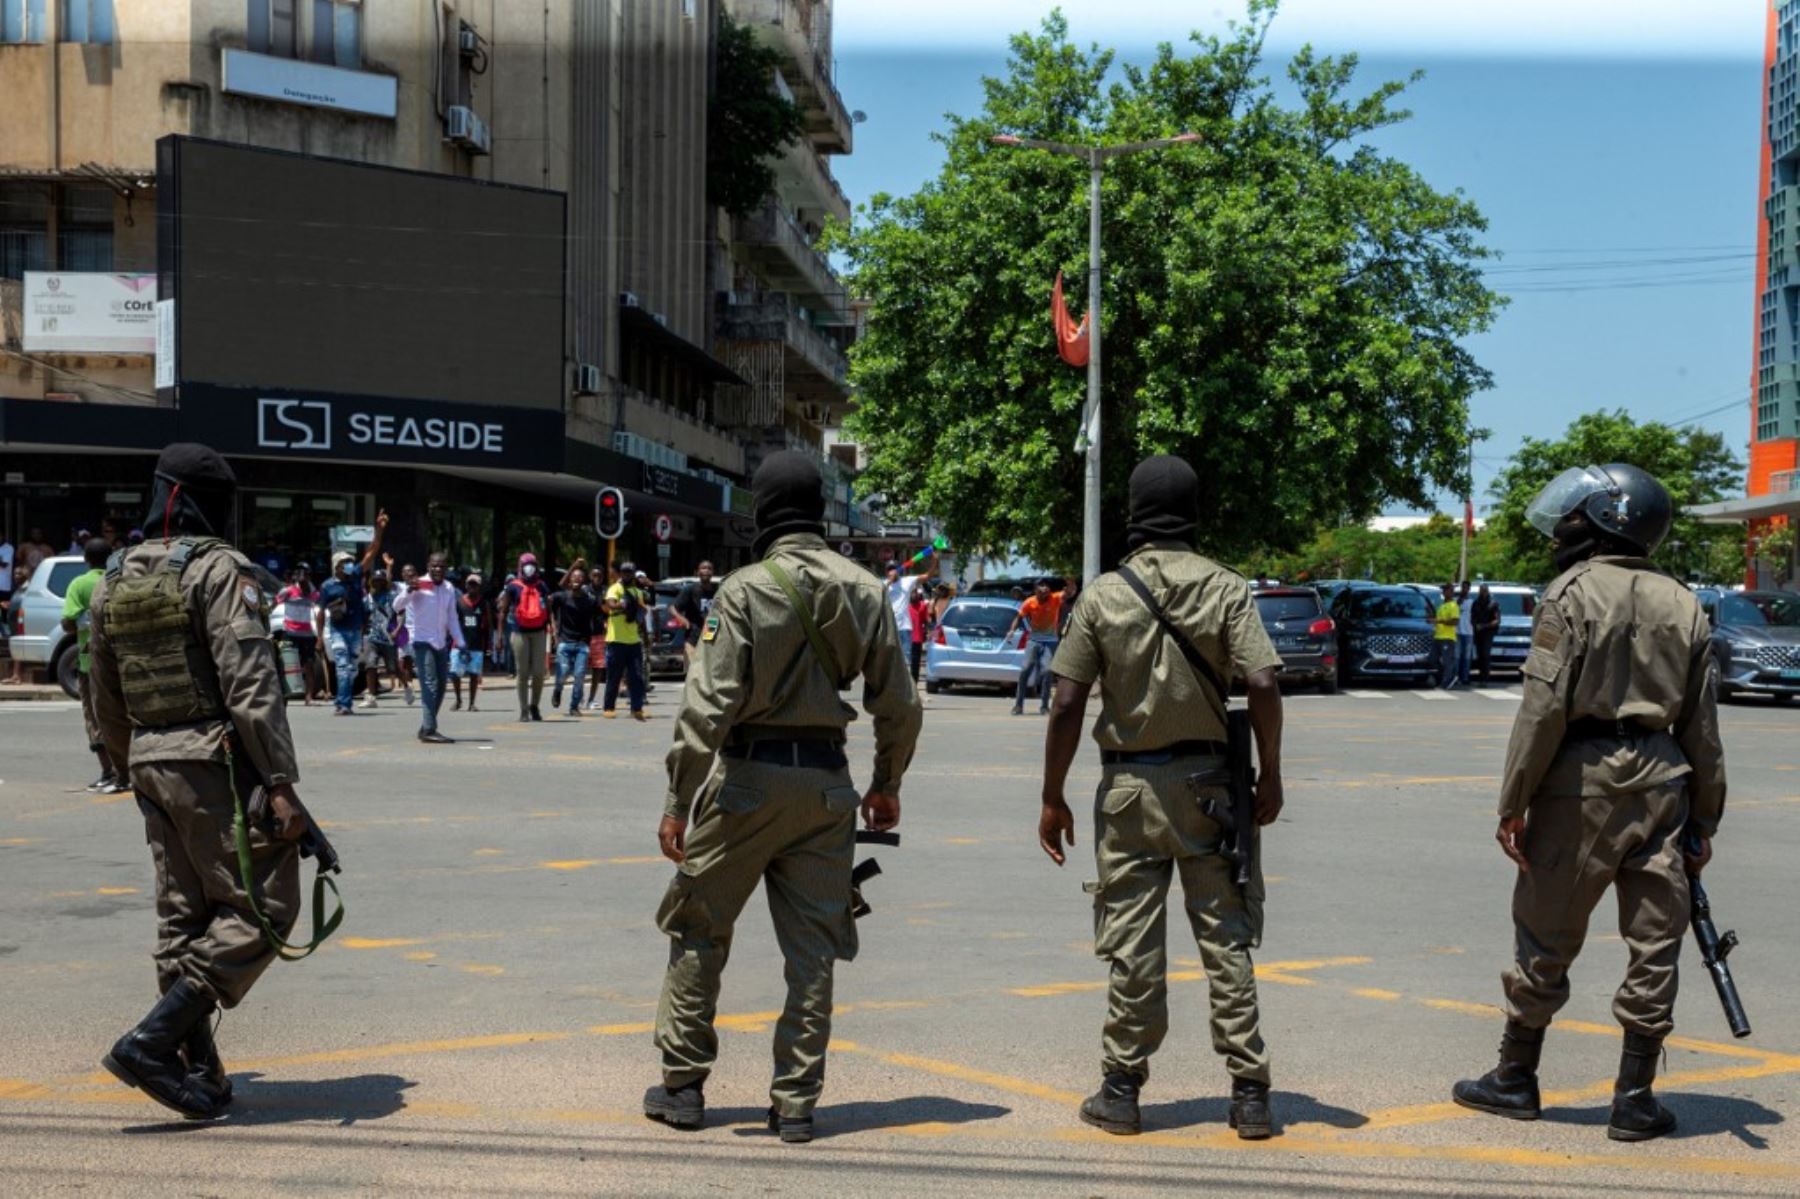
758,767
188,690
1163,721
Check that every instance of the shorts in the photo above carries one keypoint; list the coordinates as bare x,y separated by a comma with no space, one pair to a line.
377,654
308,647
465,662
597,652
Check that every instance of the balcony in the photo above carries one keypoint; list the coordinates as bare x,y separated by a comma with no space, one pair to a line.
655,421
813,367
803,179
778,247
800,31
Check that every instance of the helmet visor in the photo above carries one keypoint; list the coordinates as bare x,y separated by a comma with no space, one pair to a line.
1565,493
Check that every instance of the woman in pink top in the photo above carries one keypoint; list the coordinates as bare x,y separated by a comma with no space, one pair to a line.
298,600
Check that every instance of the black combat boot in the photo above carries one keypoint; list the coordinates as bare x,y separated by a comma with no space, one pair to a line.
794,1130
535,714
1510,1089
149,1056
1250,1110
683,1107
203,1064
1114,1107
1636,1114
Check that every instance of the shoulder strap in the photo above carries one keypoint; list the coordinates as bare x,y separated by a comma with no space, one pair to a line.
1201,666
186,550
821,648
115,565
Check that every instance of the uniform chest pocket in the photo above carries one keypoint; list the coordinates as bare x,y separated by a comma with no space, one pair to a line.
842,799
738,799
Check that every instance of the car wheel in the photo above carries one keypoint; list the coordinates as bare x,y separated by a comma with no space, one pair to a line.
1328,684
67,671
932,686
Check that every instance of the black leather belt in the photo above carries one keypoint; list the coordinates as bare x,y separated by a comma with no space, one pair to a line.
1163,756
1593,728
805,754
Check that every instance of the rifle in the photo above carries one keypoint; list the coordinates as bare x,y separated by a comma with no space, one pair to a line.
1236,816
867,869
1715,948
313,843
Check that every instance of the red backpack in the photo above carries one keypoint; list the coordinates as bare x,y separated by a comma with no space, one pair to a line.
530,613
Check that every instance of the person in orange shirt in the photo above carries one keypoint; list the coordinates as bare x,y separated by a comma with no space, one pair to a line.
1041,613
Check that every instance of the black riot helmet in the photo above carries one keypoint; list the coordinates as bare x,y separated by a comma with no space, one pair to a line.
1621,502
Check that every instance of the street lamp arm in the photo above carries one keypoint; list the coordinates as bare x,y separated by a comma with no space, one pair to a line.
1159,143
1032,143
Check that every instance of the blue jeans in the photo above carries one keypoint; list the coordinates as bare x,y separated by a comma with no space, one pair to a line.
346,648
624,663
429,664
571,662
1446,661
1037,662
1465,656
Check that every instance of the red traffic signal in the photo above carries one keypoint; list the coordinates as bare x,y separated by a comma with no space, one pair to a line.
609,513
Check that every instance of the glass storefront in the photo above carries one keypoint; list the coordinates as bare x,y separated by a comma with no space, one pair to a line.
295,527
465,534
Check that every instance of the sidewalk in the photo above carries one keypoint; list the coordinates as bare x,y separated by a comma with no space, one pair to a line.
33,692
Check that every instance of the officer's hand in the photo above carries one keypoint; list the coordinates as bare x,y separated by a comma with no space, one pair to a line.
1696,862
1268,798
1511,836
1056,828
672,836
284,804
881,810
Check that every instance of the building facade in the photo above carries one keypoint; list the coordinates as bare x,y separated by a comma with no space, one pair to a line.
1775,376
691,341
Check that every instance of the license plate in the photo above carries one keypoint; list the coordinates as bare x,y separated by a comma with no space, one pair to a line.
981,643
1792,676
1406,659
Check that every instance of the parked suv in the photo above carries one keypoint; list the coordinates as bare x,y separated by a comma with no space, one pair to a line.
1303,635
1512,642
1383,632
37,633
1756,640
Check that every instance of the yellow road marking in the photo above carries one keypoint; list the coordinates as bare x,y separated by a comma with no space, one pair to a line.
943,1069
378,942
18,840
1375,993
488,853
115,890
570,864
479,968
962,840
584,863
423,955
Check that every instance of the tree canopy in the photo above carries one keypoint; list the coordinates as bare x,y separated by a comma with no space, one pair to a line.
1696,466
748,122
1283,304
1430,552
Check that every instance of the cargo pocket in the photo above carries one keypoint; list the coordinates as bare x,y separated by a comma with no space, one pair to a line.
1107,933
842,799
1118,799
683,915
735,799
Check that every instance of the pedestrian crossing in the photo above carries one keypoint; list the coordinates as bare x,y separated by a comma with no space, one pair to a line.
1474,695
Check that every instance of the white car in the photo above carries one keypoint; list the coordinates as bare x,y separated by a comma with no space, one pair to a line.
37,633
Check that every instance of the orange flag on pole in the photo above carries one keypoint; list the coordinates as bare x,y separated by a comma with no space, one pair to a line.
1071,339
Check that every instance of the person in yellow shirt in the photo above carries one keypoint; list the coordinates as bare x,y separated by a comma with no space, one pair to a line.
1449,615
624,642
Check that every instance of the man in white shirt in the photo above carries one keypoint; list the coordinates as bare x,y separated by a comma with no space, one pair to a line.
899,597
432,628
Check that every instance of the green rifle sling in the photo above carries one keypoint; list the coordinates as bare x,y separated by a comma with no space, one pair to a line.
820,647
322,927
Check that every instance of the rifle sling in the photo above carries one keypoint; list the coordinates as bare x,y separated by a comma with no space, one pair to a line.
821,648
1202,668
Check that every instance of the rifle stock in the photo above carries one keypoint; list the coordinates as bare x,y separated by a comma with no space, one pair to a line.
1714,949
1236,817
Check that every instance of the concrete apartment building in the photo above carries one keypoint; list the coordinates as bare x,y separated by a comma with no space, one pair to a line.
692,342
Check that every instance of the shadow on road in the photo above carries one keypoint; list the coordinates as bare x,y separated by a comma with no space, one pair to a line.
842,1119
1290,1108
344,1101
1699,1116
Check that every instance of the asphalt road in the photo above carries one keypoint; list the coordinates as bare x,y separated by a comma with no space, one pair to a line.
481,1024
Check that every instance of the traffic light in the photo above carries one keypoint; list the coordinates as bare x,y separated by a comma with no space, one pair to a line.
609,513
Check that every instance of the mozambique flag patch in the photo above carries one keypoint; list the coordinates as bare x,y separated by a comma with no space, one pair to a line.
712,629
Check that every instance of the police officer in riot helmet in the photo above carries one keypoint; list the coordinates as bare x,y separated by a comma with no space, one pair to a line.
1614,776
188,690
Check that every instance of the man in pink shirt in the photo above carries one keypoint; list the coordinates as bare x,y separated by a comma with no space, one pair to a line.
432,628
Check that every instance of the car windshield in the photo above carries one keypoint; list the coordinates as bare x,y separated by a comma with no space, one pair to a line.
979,620
1400,603
1287,607
1515,603
1761,608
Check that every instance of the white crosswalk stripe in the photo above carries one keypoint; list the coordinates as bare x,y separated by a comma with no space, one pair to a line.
1505,693
1443,696
1368,695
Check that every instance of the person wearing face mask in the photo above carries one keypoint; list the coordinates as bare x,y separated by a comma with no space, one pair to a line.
526,601
432,630
1614,776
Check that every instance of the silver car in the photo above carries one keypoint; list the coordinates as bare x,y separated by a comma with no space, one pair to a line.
37,633
1756,641
966,648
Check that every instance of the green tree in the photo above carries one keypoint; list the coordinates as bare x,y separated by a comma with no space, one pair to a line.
1284,305
1696,466
1425,553
748,122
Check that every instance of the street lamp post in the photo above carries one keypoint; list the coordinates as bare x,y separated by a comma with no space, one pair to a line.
1089,439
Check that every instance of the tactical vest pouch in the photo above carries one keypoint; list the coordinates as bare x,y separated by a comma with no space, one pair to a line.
164,671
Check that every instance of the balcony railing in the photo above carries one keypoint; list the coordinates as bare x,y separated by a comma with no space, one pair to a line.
773,316
788,258
1783,481
801,33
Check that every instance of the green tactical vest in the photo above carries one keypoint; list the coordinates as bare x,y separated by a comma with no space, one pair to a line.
165,670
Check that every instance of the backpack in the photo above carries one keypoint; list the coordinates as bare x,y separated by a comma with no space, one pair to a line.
530,613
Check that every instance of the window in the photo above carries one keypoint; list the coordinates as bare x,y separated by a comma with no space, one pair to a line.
1274,608
273,27
24,229
88,21
337,33
22,21
84,229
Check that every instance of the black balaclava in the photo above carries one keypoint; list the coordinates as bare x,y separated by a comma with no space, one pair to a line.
790,498
1165,501
1576,539
193,492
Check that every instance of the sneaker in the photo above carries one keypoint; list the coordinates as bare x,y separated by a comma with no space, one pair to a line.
368,701
640,715
609,713
117,786
1018,711
104,781
556,697
409,695
574,712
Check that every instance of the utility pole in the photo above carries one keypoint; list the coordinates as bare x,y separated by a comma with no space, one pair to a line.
1089,440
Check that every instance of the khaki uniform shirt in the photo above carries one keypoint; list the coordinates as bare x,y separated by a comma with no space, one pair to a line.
1616,640
1149,696
755,673
222,592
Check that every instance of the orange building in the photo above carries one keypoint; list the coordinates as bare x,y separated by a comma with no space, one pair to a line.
1775,375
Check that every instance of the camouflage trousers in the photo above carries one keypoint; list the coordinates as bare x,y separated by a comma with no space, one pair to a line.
1148,826
793,830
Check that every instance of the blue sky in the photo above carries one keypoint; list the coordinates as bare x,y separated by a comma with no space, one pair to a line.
1612,145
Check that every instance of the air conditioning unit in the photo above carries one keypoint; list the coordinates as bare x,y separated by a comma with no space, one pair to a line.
468,42
466,129
587,379
628,299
